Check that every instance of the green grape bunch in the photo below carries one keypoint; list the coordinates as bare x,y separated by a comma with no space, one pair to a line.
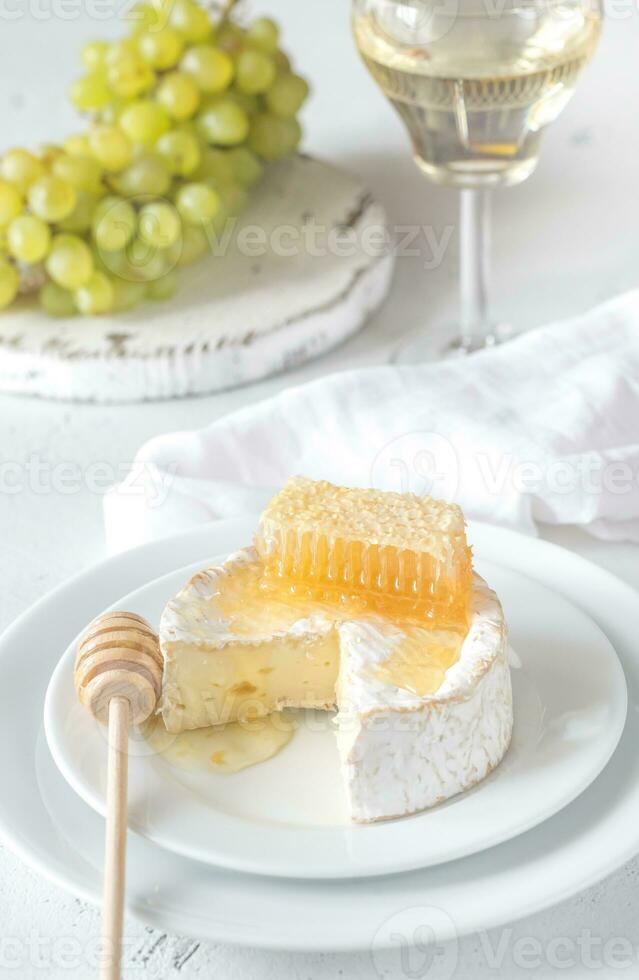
183,116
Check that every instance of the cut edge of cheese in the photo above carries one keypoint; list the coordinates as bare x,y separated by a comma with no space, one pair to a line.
213,674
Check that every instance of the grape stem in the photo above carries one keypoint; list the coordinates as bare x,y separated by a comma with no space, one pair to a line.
226,10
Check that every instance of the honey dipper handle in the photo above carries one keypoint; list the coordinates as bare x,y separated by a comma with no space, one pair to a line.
115,846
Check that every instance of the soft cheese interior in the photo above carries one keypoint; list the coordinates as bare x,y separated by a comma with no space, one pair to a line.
423,714
230,655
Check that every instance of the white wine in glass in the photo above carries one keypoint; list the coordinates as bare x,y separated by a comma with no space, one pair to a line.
475,83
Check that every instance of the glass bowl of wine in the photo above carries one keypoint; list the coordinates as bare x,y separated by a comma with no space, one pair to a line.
475,83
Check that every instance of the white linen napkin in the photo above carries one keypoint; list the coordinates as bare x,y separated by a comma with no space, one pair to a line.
543,428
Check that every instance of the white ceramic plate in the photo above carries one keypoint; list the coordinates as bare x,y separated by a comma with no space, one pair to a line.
51,829
288,816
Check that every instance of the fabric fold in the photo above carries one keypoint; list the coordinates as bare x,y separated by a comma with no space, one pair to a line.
544,428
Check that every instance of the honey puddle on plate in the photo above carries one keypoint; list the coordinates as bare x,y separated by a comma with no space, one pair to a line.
224,748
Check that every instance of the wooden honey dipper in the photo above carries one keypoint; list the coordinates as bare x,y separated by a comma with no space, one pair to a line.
118,678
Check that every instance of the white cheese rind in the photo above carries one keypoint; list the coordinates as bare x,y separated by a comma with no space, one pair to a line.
400,753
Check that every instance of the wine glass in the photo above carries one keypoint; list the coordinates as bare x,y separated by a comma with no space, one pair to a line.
475,83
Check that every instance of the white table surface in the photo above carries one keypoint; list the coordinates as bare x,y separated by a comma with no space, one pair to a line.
563,241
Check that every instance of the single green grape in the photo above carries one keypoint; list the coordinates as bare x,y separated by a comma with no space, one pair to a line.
113,263
21,168
146,17
127,293
190,20
147,175
111,114
69,262
28,238
163,288
195,244
51,198
144,262
187,126
159,224
93,55
11,202
250,103
215,164
56,301
272,137
114,224
95,296
197,203
233,197
80,218
286,95
230,37
245,166
254,72
121,49
144,121
77,145
291,134
180,151
224,124
282,62
9,283
110,147
82,173
264,137
49,152
91,92
264,34
161,49
179,94
130,76
210,68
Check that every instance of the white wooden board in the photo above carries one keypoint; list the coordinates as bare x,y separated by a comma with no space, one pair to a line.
300,272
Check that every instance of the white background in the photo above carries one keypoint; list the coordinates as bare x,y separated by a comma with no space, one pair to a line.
563,241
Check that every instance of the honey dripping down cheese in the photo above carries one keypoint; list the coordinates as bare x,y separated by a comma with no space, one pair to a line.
397,554
418,661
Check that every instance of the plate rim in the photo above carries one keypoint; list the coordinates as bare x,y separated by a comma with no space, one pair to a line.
275,865
338,935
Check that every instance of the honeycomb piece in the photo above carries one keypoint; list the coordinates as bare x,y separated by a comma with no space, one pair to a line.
391,552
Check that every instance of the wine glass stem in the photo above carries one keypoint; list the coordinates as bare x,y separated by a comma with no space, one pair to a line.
474,259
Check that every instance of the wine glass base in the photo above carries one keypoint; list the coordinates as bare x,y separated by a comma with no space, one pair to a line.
420,350
462,346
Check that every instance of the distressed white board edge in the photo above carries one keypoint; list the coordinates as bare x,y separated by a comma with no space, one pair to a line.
171,350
